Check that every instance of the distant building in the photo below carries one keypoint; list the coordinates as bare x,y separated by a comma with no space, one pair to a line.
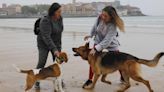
94,8
3,12
122,12
13,9
73,1
134,11
4,5
78,9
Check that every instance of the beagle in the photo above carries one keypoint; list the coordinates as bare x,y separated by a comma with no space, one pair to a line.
52,72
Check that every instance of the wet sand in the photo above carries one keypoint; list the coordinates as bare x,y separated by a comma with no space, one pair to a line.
20,48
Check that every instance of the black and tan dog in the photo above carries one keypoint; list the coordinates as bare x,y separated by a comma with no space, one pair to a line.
53,72
104,63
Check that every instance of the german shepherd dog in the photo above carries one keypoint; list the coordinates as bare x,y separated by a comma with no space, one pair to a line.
103,63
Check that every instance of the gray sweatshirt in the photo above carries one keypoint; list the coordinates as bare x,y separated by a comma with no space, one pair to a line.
50,34
105,36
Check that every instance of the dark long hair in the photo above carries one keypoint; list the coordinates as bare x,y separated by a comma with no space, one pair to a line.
115,17
53,8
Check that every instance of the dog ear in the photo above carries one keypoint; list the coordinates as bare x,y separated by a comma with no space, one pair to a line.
87,45
66,57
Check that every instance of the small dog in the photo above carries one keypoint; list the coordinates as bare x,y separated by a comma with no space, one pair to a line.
103,63
51,72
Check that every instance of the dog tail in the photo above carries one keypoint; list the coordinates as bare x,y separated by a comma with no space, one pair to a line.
19,70
153,62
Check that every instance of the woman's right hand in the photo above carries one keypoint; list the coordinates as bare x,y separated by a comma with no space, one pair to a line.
86,38
57,53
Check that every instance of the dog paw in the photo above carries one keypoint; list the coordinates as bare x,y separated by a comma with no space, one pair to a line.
59,91
89,88
110,83
120,91
151,91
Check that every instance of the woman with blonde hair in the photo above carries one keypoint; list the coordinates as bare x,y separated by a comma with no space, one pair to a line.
105,35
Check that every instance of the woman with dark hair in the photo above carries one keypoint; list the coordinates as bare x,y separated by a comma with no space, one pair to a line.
49,37
105,35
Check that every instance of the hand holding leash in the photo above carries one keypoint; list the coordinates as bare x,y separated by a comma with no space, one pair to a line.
57,53
93,51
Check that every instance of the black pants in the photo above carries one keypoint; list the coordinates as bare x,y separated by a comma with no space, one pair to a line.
43,55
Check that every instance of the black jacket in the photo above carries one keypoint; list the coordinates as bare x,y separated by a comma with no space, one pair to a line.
50,35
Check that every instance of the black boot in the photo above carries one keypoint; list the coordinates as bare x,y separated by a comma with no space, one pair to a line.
87,83
37,85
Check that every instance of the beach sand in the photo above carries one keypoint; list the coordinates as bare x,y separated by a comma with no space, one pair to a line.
20,48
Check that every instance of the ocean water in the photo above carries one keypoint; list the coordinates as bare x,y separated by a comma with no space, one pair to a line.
85,24
143,34
145,21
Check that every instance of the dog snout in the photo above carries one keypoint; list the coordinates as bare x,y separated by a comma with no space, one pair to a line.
74,49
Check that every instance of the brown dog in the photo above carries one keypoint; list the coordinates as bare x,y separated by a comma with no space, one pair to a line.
52,71
103,63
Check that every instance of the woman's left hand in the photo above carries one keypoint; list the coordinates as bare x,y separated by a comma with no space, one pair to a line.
86,38
93,52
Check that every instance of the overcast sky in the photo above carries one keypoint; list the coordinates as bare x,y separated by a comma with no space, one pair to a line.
149,7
